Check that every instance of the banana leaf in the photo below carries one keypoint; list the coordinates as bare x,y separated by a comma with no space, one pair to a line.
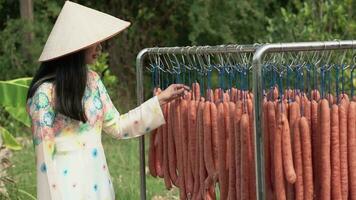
8,140
22,81
20,114
13,94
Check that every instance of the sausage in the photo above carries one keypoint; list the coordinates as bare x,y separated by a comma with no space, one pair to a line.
184,141
275,93
278,164
202,170
315,142
197,91
215,134
237,119
308,187
234,94
231,153
343,108
208,146
294,115
287,152
252,147
245,164
152,154
197,187
297,99
159,152
335,154
228,131
267,153
272,129
159,146
223,176
172,158
315,95
167,178
192,118
216,95
330,98
325,171
351,135
179,148
226,96
307,111
298,161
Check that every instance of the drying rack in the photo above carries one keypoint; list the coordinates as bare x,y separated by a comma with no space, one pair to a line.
174,50
257,86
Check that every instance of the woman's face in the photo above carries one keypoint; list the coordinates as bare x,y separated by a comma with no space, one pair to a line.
92,53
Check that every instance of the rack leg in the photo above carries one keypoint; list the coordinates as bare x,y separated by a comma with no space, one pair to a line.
142,168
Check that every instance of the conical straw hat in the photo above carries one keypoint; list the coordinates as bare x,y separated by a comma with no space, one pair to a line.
78,27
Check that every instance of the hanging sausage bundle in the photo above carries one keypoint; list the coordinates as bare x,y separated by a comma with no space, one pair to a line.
207,145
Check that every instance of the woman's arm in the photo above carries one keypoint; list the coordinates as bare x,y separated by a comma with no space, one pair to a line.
136,122
41,111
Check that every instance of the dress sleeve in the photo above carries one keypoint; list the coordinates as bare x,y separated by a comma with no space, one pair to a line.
143,119
41,110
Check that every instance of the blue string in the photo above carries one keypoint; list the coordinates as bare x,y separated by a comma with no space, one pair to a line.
342,78
280,86
288,74
223,79
337,83
152,79
315,76
236,78
322,81
352,82
308,77
209,79
189,80
329,81
202,92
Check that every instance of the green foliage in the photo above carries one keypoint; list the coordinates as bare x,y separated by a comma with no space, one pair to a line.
102,68
12,99
18,58
313,21
9,140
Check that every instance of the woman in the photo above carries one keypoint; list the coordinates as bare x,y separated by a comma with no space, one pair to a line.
69,107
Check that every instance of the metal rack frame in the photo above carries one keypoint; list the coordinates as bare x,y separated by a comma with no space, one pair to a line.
258,91
174,50
257,62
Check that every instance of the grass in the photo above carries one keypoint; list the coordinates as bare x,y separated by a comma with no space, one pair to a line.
123,162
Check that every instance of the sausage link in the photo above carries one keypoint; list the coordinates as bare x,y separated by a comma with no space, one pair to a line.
278,163
167,178
245,164
308,188
298,161
237,119
351,135
335,154
223,176
172,158
325,172
343,107
267,153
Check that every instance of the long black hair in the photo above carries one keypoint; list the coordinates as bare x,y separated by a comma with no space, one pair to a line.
69,74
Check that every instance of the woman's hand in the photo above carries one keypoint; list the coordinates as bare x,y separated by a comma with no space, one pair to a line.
172,92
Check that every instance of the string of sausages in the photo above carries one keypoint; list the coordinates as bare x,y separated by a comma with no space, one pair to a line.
206,142
309,145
